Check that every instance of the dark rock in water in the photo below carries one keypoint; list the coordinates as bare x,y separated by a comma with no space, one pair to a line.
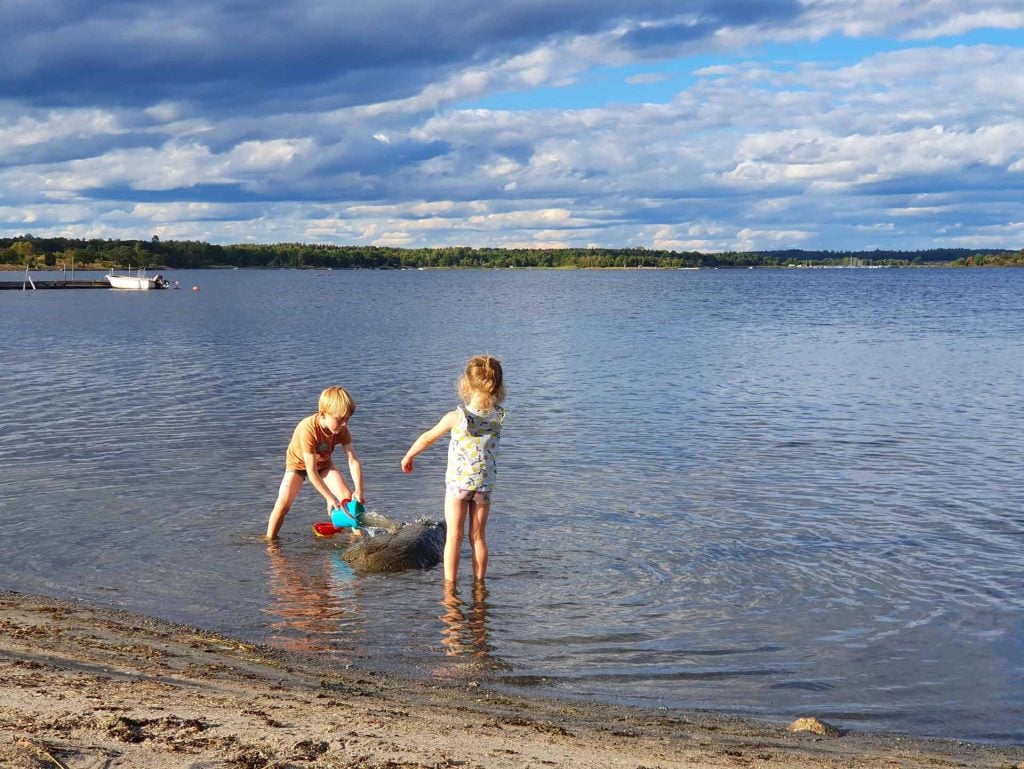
417,545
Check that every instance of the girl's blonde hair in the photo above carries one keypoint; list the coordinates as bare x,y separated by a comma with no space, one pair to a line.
483,377
336,402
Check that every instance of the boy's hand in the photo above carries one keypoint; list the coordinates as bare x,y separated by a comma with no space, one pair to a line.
406,464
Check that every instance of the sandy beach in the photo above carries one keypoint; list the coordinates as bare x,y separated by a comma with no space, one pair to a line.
83,687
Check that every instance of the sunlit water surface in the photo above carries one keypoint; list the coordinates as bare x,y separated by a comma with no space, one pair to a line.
774,493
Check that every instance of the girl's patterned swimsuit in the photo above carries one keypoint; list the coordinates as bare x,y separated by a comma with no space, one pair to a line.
473,450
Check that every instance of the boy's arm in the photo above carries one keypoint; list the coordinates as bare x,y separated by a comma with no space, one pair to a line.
318,483
355,467
448,421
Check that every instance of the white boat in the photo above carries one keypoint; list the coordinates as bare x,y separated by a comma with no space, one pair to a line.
137,282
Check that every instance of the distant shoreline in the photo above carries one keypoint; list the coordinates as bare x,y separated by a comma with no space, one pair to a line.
17,252
15,268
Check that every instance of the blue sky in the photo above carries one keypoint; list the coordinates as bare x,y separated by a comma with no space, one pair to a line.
707,125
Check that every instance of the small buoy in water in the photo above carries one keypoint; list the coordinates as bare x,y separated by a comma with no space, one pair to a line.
195,288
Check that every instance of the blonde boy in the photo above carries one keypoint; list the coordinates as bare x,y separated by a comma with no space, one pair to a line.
311,448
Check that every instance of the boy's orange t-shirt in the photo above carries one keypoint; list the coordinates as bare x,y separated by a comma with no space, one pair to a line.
310,437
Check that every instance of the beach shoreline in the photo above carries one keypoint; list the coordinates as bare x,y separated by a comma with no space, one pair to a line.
83,686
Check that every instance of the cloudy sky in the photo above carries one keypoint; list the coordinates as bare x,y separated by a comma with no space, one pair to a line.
678,124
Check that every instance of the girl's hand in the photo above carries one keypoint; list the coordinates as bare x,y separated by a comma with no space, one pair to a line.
406,464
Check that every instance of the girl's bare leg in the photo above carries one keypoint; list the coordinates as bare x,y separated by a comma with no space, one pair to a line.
477,524
455,520
290,485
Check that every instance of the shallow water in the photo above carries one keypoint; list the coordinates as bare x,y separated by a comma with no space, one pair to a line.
765,492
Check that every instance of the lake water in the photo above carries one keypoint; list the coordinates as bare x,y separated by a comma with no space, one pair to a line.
773,493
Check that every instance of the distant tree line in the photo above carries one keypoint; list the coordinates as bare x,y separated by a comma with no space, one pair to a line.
189,254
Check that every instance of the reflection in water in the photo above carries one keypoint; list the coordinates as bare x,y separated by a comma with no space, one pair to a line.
318,607
466,634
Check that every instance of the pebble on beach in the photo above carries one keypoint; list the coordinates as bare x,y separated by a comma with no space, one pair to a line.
812,724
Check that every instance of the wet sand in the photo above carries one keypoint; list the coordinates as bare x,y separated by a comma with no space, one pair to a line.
84,687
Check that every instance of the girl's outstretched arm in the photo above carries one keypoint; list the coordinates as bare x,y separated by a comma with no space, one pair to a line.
448,421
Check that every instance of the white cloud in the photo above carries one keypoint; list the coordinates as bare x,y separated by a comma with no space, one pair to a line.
165,112
718,237
262,156
750,239
804,156
747,152
174,165
909,19
169,213
1008,235
38,127
962,23
646,78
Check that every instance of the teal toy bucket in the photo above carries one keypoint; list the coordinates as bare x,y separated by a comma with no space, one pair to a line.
349,515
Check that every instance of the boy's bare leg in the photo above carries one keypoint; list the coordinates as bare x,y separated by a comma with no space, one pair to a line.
336,483
455,520
290,485
477,523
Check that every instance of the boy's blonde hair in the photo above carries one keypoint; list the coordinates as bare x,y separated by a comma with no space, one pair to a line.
483,377
336,402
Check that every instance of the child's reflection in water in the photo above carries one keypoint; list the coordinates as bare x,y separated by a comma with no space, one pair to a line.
466,630
317,607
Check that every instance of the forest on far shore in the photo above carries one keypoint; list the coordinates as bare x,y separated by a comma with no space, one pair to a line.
39,253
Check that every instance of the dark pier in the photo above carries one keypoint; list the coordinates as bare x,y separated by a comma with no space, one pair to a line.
17,285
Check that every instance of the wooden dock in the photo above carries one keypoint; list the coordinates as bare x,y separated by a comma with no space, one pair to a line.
18,285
